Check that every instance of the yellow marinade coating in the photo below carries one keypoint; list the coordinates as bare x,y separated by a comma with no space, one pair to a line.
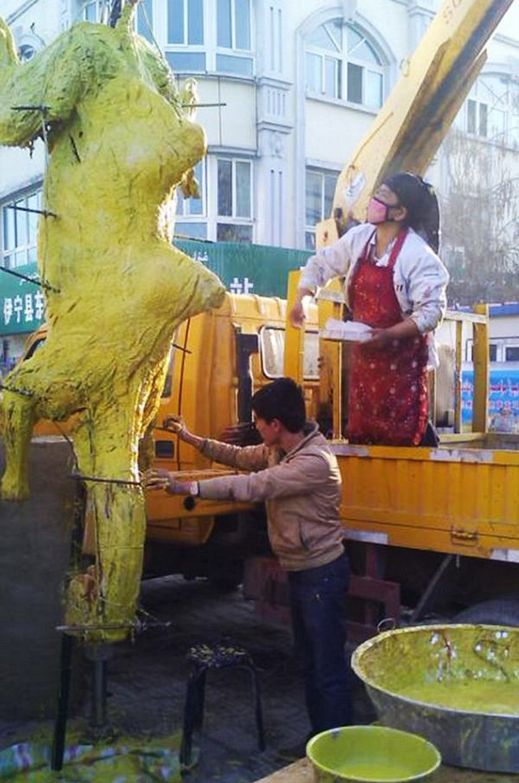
121,137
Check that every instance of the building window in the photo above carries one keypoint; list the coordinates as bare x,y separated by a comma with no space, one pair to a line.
512,353
98,11
185,22
19,230
494,351
477,118
319,193
95,11
144,19
491,111
234,200
191,214
341,63
28,44
233,36
185,28
190,230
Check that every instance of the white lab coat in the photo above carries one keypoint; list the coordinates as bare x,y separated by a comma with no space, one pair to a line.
419,277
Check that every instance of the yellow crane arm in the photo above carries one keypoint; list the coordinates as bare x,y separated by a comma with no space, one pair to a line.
420,109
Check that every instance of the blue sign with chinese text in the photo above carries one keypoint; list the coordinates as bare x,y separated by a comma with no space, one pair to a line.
503,398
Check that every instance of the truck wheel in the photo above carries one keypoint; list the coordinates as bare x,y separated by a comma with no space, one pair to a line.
499,611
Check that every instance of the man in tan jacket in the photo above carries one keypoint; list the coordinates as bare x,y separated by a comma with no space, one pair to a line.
297,476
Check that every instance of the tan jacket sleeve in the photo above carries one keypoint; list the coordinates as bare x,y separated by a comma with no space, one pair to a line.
300,476
240,457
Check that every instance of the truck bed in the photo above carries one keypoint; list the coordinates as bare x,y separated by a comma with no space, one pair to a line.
461,498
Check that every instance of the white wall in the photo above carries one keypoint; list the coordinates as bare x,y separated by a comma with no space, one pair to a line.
332,133
306,132
232,125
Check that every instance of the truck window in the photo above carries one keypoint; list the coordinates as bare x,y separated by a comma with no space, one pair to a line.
272,351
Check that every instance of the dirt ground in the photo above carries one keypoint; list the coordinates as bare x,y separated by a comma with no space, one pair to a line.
147,682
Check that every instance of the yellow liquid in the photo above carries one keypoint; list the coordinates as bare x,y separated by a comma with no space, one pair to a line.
375,770
498,698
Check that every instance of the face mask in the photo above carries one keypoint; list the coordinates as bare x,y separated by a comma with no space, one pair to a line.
378,212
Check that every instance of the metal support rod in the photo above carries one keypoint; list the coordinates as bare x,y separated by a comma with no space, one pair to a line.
199,105
433,585
67,646
180,348
44,212
196,239
32,107
138,626
16,391
60,725
74,148
42,283
80,477
95,627
98,719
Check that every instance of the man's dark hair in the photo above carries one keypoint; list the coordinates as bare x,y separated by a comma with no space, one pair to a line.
283,400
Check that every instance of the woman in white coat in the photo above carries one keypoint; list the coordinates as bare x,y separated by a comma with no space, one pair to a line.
395,283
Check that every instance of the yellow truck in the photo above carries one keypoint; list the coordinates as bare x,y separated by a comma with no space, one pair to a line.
424,525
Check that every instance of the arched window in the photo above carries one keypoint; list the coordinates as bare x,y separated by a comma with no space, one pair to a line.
342,63
491,110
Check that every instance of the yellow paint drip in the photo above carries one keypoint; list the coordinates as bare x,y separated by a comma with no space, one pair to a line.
119,143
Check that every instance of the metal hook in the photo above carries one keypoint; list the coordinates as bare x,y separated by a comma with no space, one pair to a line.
390,622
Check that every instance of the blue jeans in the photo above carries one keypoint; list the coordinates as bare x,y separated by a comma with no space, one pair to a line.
317,604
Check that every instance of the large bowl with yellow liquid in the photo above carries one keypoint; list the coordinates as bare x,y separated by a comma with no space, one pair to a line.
455,685
371,754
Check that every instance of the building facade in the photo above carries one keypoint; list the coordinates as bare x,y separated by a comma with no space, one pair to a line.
289,89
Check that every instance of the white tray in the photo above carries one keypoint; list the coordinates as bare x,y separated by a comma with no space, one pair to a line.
353,331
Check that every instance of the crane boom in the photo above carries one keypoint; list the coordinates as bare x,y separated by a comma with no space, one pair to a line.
416,116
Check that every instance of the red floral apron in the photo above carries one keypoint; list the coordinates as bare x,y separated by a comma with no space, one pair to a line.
388,401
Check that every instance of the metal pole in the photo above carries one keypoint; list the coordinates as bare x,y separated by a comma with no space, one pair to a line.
99,655
60,725
98,719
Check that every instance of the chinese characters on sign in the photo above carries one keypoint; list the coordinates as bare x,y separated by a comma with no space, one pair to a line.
239,287
236,286
23,309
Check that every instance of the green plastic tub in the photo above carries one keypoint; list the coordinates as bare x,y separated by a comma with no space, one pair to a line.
371,754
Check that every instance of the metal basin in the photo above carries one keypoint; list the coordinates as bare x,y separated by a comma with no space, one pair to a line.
371,754
456,685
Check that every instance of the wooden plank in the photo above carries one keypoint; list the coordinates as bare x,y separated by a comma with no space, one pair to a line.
301,772
458,315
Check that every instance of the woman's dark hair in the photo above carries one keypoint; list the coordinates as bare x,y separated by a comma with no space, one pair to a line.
282,399
419,198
